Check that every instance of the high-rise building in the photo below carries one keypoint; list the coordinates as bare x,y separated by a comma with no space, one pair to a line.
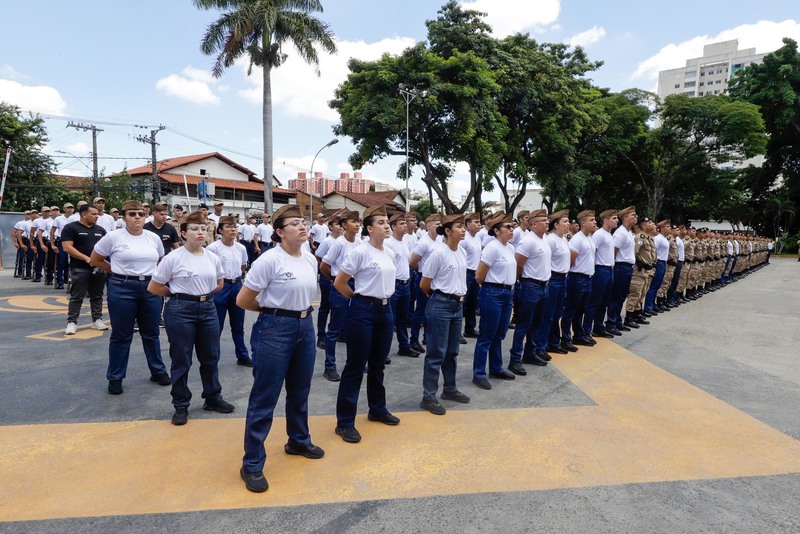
321,186
710,74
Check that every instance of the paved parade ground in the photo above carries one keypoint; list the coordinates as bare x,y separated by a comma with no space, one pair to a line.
690,424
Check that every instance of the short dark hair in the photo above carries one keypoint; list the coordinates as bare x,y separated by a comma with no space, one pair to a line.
84,208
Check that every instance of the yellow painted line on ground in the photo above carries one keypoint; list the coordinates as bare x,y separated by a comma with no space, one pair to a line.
34,304
84,332
648,426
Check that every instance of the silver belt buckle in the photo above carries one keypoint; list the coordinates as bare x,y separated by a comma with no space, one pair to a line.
384,301
304,314
461,298
203,298
141,278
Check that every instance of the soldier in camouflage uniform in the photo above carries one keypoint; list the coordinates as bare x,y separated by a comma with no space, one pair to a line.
643,272
672,262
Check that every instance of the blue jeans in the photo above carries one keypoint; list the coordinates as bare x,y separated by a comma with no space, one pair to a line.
579,289
652,292
471,302
620,288
192,325
30,260
284,351
531,305
495,304
443,337
413,290
225,302
339,306
324,305
129,302
549,333
19,264
418,319
369,338
595,314
62,265
400,301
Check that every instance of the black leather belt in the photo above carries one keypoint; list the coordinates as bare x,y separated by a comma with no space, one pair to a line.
457,298
194,298
534,281
402,282
602,267
501,286
579,275
372,300
558,276
471,271
287,313
623,264
141,278
233,280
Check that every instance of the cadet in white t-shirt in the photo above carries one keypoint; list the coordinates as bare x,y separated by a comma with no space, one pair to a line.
324,283
533,268
444,280
233,256
401,298
472,246
579,283
603,279
280,285
369,324
189,276
419,255
497,274
130,257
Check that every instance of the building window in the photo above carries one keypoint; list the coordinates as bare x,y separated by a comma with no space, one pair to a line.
690,74
702,84
718,82
703,73
677,86
689,84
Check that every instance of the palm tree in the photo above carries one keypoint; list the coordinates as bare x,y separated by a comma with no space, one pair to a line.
259,29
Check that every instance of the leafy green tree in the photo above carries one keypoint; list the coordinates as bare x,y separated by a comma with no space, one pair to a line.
30,182
774,86
258,30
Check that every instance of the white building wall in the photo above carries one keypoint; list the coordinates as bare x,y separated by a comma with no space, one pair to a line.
214,168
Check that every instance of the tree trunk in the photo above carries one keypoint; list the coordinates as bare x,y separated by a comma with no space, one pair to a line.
267,124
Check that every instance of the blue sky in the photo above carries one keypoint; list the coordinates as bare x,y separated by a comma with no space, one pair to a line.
139,63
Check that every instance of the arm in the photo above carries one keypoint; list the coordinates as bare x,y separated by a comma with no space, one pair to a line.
157,289
220,283
255,241
100,262
69,248
413,262
425,286
246,299
480,273
520,264
326,270
341,284
53,238
572,257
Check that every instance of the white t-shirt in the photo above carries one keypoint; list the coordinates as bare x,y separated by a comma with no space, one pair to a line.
681,250
264,232
60,222
232,257
283,281
319,232
623,240
338,251
481,234
107,222
402,254
410,240
472,247
214,217
41,227
372,269
121,223
131,255
75,217
538,257
20,226
447,270
518,235
424,247
559,253
584,261
662,247
604,248
246,232
190,274
323,247
26,229
501,262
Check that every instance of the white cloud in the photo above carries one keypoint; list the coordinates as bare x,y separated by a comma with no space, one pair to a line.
511,16
192,85
588,37
765,36
38,99
10,73
298,91
80,148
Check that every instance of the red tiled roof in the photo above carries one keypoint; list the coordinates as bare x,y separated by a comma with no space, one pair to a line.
224,184
171,163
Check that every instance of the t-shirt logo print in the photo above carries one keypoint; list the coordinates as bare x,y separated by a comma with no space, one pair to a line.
287,276
374,265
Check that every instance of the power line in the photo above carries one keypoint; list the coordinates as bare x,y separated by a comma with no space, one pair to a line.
98,157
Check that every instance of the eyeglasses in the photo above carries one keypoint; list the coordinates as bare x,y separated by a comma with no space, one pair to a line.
197,228
229,226
295,223
507,226
136,214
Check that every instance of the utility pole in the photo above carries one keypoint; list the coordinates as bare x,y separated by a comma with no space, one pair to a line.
154,176
94,129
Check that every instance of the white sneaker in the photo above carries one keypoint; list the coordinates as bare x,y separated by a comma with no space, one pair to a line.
99,325
72,328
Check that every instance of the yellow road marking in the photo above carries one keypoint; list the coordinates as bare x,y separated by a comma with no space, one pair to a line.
84,332
648,426
34,304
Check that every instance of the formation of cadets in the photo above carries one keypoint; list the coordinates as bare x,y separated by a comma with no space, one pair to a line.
559,284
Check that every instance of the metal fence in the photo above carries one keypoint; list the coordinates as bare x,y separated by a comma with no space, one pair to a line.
7,250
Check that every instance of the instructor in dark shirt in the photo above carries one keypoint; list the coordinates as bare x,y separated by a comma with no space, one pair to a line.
167,233
78,239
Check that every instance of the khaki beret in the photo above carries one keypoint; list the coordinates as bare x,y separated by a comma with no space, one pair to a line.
586,214
537,213
559,215
372,211
623,212
472,217
608,214
284,212
397,217
433,217
522,214
663,223
132,205
194,218
452,219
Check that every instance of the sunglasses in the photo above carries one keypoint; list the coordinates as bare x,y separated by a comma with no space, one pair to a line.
136,214
507,226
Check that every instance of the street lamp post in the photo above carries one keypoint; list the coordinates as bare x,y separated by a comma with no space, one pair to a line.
408,96
310,189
